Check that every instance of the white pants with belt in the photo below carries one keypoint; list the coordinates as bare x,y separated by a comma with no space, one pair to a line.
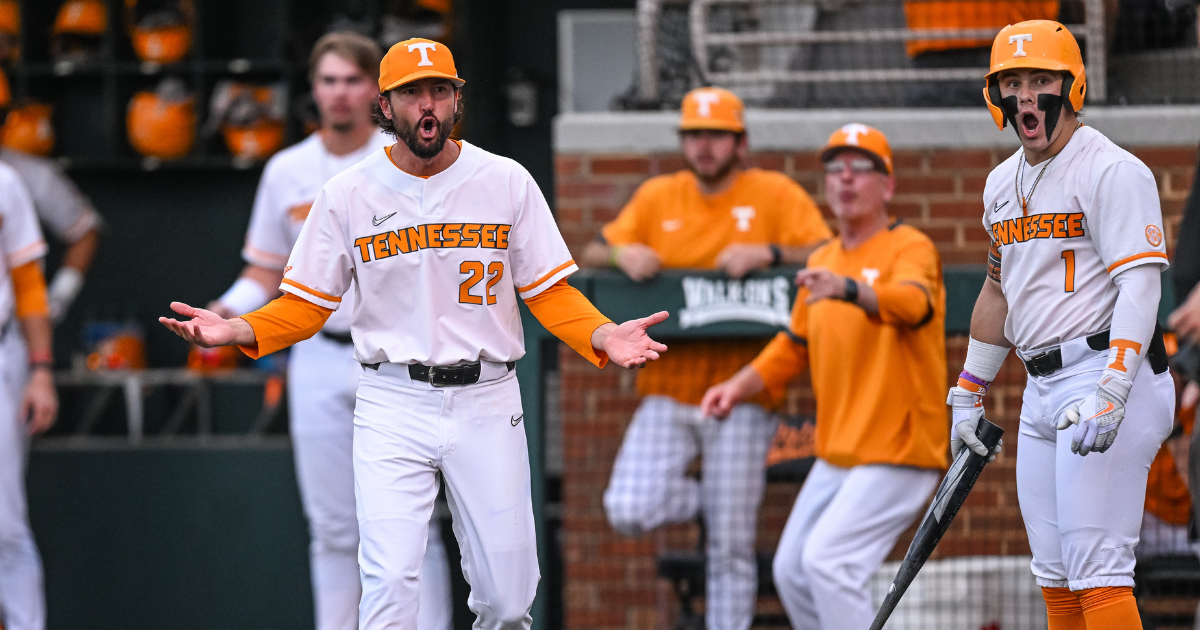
322,380
650,487
22,602
1083,514
405,433
841,529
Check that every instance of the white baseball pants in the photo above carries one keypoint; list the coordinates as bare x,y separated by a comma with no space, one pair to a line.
1083,514
405,432
650,487
22,601
841,529
322,379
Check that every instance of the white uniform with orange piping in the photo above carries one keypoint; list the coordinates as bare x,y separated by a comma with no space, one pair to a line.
322,380
436,265
22,603
1071,241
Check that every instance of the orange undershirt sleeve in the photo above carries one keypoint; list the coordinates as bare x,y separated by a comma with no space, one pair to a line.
283,322
568,315
29,289
903,303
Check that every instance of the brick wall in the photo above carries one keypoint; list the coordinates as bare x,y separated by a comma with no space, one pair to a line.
610,581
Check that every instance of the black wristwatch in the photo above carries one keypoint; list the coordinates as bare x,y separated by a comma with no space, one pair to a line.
776,254
851,291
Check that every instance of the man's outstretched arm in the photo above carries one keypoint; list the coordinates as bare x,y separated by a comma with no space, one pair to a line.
279,324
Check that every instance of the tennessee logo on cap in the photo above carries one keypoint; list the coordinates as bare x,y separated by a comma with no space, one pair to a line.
416,59
712,108
862,137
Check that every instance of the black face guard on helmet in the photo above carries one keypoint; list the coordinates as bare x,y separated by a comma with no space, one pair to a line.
1052,104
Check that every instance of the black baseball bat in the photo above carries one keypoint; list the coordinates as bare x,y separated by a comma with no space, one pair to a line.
946,503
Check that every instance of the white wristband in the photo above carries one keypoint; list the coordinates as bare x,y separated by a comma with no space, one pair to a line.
244,296
62,291
984,359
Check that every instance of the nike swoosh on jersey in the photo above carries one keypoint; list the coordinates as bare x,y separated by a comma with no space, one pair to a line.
999,205
376,221
1107,409
515,420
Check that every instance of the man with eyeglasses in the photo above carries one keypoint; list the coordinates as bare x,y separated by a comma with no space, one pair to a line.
717,214
869,324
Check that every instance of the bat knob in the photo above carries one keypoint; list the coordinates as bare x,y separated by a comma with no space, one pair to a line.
988,433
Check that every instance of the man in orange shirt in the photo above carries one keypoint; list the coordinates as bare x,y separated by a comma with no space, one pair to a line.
721,215
868,321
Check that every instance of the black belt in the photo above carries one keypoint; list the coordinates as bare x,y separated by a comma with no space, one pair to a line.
443,375
338,337
1050,361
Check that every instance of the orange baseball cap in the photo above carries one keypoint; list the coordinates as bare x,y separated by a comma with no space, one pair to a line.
859,136
712,108
416,59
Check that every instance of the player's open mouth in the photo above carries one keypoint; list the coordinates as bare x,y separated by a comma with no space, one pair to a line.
428,128
1029,125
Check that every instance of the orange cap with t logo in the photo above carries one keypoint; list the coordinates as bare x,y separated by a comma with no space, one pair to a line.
859,136
712,108
416,59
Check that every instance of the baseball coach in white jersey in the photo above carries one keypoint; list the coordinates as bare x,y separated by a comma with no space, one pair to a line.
322,372
435,239
1073,284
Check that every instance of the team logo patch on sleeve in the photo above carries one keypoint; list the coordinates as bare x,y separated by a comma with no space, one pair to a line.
1153,235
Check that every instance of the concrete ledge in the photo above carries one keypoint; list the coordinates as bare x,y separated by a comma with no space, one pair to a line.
807,130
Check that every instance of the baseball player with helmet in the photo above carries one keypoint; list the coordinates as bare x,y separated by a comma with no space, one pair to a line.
434,240
28,403
66,212
868,322
1073,285
715,214
322,371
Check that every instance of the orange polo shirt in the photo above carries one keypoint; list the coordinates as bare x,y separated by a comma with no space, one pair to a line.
879,381
995,14
688,229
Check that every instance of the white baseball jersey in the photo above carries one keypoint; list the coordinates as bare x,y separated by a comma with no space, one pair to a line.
59,205
433,261
289,185
1094,214
20,236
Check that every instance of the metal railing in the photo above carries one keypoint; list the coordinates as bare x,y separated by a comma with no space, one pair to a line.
703,39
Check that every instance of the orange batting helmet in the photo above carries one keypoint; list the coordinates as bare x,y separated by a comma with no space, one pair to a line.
1042,45
161,33
29,129
81,17
162,123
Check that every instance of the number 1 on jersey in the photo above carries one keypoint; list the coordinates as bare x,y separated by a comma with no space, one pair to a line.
475,270
1068,257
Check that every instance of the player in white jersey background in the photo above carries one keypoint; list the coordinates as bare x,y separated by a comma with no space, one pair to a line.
61,208
1073,284
322,372
435,240
28,403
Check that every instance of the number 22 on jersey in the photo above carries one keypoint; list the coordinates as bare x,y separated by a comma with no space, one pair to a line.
474,271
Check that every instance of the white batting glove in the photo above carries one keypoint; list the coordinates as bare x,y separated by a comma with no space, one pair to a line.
1098,431
62,291
966,411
